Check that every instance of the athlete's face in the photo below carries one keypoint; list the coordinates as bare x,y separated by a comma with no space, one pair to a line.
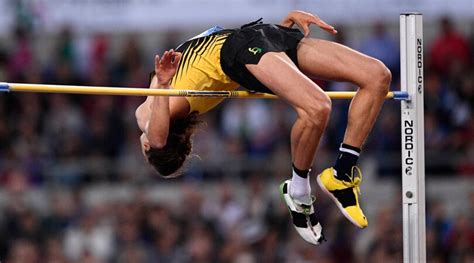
145,144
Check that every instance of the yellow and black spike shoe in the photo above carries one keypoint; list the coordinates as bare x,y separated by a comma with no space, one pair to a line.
345,194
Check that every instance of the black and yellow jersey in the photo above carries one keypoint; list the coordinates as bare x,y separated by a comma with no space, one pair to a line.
200,68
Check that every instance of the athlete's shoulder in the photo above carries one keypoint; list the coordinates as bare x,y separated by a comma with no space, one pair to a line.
215,30
208,32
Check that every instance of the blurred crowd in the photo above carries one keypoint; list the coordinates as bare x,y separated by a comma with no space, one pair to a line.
236,225
72,142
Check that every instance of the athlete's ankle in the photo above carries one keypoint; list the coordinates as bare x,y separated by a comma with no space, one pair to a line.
300,189
302,197
348,157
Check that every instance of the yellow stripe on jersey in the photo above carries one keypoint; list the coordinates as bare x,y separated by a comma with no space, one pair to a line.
200,69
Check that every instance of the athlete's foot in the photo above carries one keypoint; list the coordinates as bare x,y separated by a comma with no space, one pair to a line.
345,194
303,216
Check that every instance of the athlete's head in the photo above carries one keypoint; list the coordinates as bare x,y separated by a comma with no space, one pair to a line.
168,160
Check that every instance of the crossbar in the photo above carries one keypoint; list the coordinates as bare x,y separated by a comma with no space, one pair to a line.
93,90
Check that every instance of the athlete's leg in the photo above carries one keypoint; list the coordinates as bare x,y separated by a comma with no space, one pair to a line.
313,106
329,60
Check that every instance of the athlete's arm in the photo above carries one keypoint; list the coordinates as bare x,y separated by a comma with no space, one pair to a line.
142,114
157,126
304,20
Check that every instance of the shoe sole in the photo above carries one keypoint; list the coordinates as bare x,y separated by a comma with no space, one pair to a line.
321,185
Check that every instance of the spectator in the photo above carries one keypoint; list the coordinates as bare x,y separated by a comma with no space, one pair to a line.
23,250
449,47
383,46
21,58
90,238
54,251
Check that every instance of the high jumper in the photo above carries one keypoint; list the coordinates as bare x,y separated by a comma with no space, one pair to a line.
277,59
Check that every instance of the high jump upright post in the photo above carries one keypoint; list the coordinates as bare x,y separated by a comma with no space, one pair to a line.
413,146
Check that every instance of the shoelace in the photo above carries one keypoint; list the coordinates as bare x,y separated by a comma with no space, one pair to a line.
307,208
355,181
306,211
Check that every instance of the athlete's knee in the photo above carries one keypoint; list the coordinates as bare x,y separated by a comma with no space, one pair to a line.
317,111
324,106
384,77
381,77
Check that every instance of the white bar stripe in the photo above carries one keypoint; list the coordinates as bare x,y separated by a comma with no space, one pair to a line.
349,151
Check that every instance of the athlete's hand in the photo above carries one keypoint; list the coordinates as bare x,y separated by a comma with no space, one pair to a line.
304,20
166,66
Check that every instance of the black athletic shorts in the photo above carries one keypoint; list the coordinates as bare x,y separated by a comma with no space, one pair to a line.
249,43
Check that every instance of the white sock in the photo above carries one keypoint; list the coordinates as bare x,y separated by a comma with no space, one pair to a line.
300,189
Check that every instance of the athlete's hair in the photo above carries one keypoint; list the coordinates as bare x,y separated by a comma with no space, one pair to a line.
168,160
